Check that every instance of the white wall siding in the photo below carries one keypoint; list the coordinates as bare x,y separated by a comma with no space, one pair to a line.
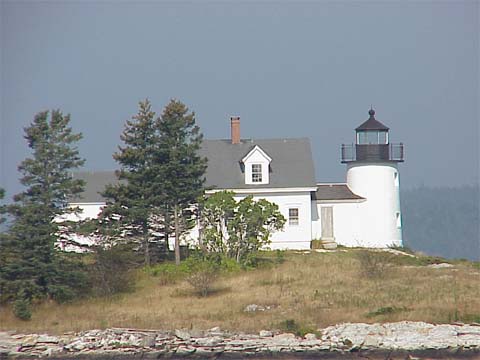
377,183
88,211
346,222
294,237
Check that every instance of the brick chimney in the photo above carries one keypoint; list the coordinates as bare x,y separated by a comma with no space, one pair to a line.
235,127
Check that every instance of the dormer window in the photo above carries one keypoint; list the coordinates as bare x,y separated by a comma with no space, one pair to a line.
257,166
256,173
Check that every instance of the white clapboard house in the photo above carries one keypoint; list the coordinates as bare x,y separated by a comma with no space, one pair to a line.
364,211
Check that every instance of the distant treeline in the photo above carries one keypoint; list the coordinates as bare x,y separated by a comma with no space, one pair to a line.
442,221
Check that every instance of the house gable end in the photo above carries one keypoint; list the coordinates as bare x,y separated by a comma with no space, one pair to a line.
255,154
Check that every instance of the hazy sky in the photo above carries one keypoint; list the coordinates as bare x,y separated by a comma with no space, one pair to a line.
287,68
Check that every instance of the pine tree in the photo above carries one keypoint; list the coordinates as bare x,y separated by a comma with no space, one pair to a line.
161,176
179,166
2,207
31,266
135,201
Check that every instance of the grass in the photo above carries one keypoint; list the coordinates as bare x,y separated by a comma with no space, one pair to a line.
309,290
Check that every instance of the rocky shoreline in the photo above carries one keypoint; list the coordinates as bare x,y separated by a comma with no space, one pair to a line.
402,340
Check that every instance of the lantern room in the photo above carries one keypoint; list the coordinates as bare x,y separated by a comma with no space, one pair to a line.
372,131
372,143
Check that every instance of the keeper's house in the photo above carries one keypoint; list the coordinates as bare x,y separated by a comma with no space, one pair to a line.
364,211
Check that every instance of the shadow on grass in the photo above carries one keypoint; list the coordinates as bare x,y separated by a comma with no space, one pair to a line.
215,291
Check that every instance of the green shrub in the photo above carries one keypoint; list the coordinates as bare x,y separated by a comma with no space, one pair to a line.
22,309
228,265
113,270
291,326
202,275
168,272
279,256
62,294
374,264
470,318
387,310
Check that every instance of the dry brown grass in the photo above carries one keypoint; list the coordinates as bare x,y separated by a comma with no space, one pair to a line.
315,290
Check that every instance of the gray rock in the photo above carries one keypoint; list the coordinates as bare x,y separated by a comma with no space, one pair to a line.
76,346
285,340
149,341
265,333
440,266
182,334
254,308
47,339
209,341
371,341
184,350
29,340
405,335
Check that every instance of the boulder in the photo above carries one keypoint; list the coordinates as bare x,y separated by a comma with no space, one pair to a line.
182,334
209,341
286,339
47,339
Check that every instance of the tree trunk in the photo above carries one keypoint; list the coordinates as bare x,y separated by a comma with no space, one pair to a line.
200,227
146,249
177,236
167,231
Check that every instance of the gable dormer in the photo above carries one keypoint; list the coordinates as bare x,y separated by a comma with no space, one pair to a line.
257,164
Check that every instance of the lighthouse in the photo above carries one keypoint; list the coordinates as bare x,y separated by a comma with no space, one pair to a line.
372,172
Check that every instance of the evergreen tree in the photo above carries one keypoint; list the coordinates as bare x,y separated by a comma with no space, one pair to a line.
161,176
31,266
134,203
2,207
179,167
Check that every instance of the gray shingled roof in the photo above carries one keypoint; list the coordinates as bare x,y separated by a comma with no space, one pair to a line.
291,166
335,192
95,184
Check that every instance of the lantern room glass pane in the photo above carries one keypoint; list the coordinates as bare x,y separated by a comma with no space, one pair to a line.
382,137
362,137
372,137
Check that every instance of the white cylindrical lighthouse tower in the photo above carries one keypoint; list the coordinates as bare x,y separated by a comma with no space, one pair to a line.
372,172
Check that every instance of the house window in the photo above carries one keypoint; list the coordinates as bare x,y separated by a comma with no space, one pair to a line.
256,173
293,216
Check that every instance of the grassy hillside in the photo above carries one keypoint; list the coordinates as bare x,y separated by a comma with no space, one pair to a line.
312,289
